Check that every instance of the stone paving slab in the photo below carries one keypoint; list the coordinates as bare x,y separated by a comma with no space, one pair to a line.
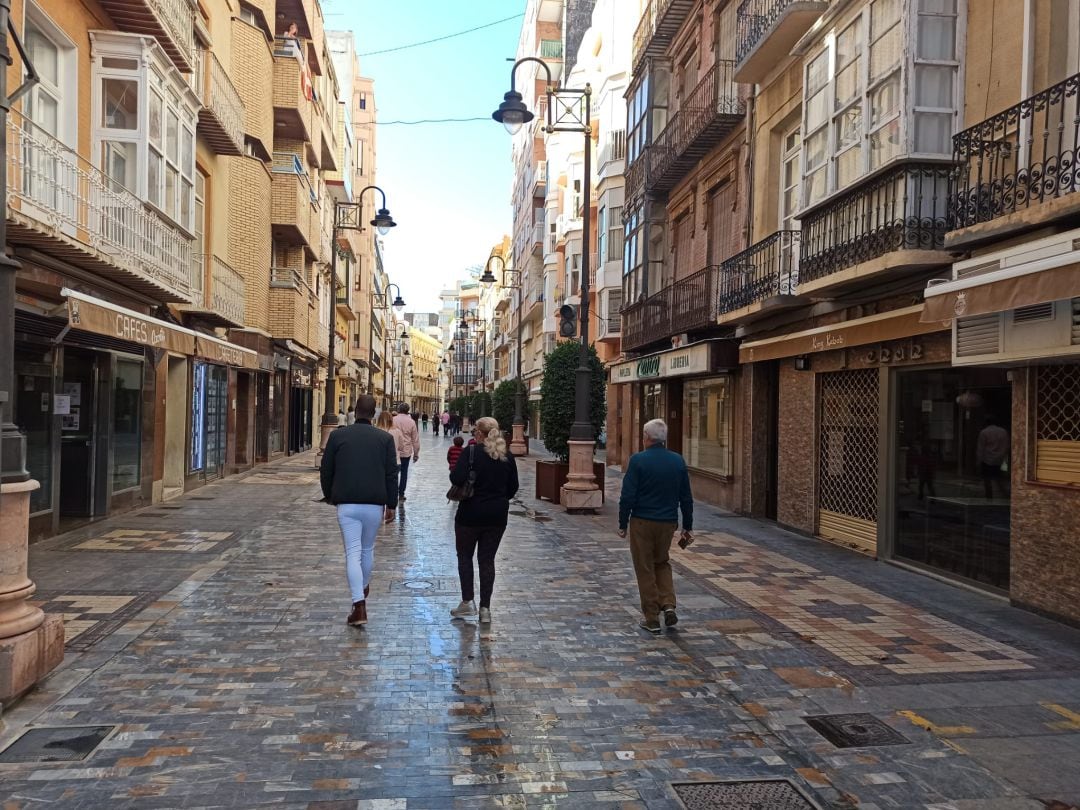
237,683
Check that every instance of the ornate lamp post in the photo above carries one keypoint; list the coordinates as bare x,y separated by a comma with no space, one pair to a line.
382,301
568,110
347,216
519,445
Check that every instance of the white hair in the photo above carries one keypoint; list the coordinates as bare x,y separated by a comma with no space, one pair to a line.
656,429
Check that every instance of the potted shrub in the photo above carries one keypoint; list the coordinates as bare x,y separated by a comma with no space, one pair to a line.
557,414
502,406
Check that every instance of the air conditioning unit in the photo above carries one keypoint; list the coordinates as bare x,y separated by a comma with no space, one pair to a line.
1017,335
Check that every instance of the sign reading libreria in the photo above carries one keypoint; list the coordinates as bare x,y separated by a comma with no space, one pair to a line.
676,363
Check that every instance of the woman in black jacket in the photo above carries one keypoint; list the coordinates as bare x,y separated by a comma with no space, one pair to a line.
481,520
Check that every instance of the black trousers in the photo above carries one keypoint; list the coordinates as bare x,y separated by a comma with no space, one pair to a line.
483,541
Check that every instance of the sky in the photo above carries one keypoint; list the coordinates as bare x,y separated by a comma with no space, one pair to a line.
447,185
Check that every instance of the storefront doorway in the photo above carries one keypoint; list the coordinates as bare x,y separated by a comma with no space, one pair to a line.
209,411
952,464
81,452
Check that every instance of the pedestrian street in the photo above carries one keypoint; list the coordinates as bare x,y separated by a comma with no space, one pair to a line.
207,650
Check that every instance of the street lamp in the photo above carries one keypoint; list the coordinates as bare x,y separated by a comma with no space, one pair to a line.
574,114
519,445
347,216
383,301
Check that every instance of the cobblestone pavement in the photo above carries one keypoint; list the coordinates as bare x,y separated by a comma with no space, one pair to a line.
210,632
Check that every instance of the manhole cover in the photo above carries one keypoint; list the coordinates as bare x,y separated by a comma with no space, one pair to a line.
418,585
763,794
855,730
68,744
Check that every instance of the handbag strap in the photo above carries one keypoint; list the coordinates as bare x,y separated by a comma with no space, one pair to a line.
472,457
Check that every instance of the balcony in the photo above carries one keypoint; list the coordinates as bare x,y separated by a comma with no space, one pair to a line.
686,305
551,49
221,119
294,110
539,183
614,148
902,211
222,300
764,271
294,208
708,114
538,239
170,22
659,24
1020,168
65,207
768,30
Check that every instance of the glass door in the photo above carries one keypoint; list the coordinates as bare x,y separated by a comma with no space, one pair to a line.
217,403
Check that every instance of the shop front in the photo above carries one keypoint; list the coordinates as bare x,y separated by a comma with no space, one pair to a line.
887,448
222,413
693,389
301,406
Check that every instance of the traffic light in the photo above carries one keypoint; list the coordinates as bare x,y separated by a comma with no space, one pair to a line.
567,321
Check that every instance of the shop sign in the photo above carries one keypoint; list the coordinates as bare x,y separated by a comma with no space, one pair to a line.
678,363
219,352
301,378
117,322
891,353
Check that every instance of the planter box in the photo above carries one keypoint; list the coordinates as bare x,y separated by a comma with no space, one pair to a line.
552,475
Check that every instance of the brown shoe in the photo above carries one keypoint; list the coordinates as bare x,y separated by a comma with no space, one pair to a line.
358,617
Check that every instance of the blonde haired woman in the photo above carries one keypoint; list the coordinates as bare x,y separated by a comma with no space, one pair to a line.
481,520
385,421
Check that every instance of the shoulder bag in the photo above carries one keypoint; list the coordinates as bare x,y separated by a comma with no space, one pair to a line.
462,492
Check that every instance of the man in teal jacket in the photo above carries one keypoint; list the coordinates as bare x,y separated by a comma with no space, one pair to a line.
655,487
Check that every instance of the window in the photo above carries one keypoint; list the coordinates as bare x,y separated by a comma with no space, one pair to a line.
615,235
363,101
200,214
247,14
789,180
144,124
601,234
859,86
708,437
126,442
632,256
1057,424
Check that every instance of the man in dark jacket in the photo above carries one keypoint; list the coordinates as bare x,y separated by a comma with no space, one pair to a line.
656,486
359,476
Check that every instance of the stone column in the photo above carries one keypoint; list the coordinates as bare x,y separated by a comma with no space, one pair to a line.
580,493
518,446
31,642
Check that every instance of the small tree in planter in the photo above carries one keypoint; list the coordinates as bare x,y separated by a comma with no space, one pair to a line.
479,405
502,403
557,396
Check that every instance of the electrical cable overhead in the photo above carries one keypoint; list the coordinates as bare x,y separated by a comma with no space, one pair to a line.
432,121
442,38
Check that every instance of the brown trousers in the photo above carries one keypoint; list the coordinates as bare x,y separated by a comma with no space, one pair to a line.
650,547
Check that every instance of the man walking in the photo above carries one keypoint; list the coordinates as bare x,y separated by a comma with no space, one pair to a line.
445,419
655,488
410,445
359,476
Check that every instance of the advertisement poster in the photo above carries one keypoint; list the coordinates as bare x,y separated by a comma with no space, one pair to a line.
62,404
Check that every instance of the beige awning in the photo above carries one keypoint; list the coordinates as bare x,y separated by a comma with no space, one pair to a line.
104,318
1036,282
894,325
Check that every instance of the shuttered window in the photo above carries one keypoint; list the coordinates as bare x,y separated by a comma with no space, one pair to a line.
723,227
684,246
1057,424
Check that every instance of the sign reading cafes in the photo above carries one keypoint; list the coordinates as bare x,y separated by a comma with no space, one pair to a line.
677,363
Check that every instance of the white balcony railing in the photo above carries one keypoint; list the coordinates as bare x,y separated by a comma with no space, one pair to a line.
225,103
177,17
75,202
227,292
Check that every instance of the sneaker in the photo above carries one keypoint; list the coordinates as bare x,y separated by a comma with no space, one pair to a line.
671,618
358,617
652,625
464,609
485,615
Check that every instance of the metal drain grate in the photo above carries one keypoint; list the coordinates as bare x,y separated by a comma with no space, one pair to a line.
855,730
66,744
758,794
203,498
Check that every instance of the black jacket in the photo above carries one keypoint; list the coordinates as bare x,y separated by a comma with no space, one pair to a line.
496,484
360,465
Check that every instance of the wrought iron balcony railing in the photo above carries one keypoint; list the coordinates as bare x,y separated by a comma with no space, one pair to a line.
221,120
1021,157
170,22
69,200
659,23
709,113
687,305
905,208
764,270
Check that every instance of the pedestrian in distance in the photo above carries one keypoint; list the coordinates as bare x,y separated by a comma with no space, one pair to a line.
445,419
655,488
481,519
342,420
359,476
350,414
410,446
424,419
454,453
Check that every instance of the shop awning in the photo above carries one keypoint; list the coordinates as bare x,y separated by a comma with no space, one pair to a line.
1037,282
300,351
104,318
894,325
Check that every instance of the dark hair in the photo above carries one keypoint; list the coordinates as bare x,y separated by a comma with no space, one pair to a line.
403,407
365,407
458,441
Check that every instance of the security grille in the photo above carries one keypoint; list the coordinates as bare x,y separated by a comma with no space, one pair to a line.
774,794
848,450
1057,424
